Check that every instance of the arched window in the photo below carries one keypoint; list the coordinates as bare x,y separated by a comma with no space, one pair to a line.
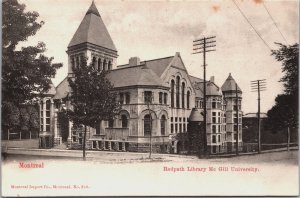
77,61
177,91
99,65
172,93
73,61
109,65
163,125
147,125
104,65
95,63
124,121
182,94
165,98
188,99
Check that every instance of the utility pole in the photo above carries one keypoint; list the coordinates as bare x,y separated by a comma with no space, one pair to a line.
258,86
204,45
237,119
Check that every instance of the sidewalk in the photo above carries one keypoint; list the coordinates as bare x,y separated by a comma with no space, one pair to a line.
99,155
228,155
107,156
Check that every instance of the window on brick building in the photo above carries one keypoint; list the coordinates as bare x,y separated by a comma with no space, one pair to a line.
165,98
127,98
214,128
214,117
121,98
163,125
148,97
188,99
213,139
124,121
177,91
214,104
182,95
160,98
172,92
147,125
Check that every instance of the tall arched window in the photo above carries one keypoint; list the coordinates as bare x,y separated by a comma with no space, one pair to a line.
188,99
109,65
172,92
77,61
182,94
95,63
73,61
163,125
124,121
99,64
104,65
177,91
147,125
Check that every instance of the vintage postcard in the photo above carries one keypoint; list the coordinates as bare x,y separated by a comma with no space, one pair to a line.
149,98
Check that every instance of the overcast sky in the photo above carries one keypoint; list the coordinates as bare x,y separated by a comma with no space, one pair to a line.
156,29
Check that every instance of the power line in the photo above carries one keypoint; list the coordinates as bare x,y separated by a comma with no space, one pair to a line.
251,25
204,45
274,22
258,86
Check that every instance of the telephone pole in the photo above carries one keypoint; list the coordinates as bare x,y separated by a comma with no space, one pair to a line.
258,86
204,45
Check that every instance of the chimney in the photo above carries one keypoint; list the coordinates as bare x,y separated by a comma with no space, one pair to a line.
212,79
134,61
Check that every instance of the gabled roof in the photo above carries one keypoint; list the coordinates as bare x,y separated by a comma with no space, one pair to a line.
134,76
62,90
229,84
211,88
92,30
51,90
157,65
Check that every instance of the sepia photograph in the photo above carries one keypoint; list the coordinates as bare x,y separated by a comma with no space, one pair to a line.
149,98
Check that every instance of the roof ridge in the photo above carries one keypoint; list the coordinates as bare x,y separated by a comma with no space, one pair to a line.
158,59
128,67
146,61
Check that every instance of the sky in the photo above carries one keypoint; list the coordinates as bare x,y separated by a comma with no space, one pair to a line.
156,29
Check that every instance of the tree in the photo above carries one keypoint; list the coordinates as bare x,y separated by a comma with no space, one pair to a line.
27,72
284,113
289,56
92,98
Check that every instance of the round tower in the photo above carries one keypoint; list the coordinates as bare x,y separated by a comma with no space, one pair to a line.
232,95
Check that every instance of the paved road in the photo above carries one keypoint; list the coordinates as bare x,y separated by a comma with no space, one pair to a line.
278,156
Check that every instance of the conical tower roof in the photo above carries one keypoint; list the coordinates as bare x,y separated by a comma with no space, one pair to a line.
92,30
229,84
